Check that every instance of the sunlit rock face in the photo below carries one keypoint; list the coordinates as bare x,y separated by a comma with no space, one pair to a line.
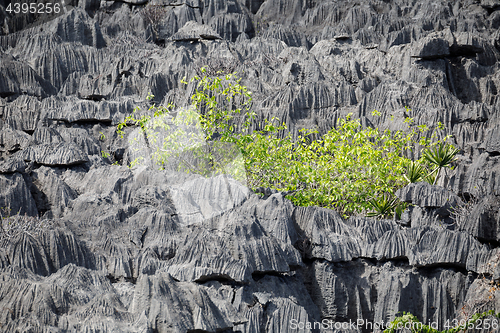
90,245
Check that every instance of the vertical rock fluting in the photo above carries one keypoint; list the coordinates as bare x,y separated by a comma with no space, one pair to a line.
90,246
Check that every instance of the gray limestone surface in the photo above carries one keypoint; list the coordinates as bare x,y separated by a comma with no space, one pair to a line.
88,244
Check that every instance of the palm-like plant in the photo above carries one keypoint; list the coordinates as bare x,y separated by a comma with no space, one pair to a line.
383,206
441,156
416,172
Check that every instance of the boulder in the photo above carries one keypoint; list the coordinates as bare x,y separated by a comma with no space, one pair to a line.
431,47
53,154
193,31
425,195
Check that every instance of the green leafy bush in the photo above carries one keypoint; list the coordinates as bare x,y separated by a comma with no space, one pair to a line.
201,138
408,322
343,170
351,169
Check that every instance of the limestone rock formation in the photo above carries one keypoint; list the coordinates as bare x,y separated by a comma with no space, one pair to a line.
89,244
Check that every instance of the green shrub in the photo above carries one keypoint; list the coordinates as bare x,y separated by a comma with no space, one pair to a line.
201,138
408,322
351,169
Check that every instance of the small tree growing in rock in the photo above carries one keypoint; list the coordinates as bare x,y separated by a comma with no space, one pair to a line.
351,169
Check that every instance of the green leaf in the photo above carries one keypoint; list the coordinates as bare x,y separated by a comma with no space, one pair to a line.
344,169
441,155
416,172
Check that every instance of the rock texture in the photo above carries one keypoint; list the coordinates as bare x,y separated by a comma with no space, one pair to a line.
90,245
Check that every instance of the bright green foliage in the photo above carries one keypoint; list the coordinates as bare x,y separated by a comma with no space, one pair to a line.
201,137
440,156
416,172
351,169
434,157
385,206
409,322
218,101
343,170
